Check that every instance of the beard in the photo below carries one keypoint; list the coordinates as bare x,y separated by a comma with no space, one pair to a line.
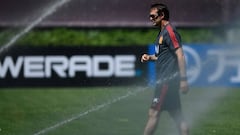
157,23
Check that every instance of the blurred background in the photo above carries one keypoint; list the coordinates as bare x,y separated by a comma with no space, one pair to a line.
73,67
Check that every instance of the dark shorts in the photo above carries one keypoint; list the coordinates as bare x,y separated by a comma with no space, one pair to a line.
167,96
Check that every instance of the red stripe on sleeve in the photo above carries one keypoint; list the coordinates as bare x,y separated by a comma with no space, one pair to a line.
172,36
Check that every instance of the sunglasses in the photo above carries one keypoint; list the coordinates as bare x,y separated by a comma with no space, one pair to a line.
153,16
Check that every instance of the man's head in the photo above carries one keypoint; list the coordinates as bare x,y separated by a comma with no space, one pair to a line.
158,12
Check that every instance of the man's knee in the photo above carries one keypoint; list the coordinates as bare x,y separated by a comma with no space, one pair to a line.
153,113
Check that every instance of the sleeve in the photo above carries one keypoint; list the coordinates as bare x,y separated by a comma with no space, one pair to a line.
173,38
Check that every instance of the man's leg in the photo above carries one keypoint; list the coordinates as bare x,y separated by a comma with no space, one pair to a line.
184,128
155,110
152,122
181,124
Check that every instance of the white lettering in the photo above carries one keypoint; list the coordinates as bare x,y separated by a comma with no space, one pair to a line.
98,60
9,64
225,59
45,66
125,66
33,67
59,64
80,63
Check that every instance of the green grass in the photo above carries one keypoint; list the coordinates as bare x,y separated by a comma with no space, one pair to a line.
25,111
105,37
223,118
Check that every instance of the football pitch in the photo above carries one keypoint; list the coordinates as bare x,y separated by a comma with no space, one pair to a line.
113,111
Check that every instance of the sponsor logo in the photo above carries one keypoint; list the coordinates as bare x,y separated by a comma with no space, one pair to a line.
213,65
226,61
65,67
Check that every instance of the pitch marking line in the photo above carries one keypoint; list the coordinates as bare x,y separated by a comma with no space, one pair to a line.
93,109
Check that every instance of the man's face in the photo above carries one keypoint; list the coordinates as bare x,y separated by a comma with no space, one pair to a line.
154,18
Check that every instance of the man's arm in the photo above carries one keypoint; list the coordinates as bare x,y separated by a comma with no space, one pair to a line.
182,70
146,57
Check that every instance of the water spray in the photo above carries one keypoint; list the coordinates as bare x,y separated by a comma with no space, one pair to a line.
49,12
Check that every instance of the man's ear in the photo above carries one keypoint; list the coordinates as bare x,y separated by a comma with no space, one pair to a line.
162,15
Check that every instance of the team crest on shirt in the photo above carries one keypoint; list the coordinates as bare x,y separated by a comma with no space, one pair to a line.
155,100
160,40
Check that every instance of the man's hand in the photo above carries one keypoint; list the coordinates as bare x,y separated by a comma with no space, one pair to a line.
184,86
145,57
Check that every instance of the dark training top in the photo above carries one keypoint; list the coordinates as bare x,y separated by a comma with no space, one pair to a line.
167,42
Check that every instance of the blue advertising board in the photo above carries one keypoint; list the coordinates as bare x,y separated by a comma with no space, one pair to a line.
210,65
207,65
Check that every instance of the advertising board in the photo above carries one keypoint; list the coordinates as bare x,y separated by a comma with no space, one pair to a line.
213,65
207,65
71,66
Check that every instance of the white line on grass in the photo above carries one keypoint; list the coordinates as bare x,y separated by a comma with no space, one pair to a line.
93,109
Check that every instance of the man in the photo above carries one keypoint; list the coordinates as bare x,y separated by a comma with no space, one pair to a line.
171,71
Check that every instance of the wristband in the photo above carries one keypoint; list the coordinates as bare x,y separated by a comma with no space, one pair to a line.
183,78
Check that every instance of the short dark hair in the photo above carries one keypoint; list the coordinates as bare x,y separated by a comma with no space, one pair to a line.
162,9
